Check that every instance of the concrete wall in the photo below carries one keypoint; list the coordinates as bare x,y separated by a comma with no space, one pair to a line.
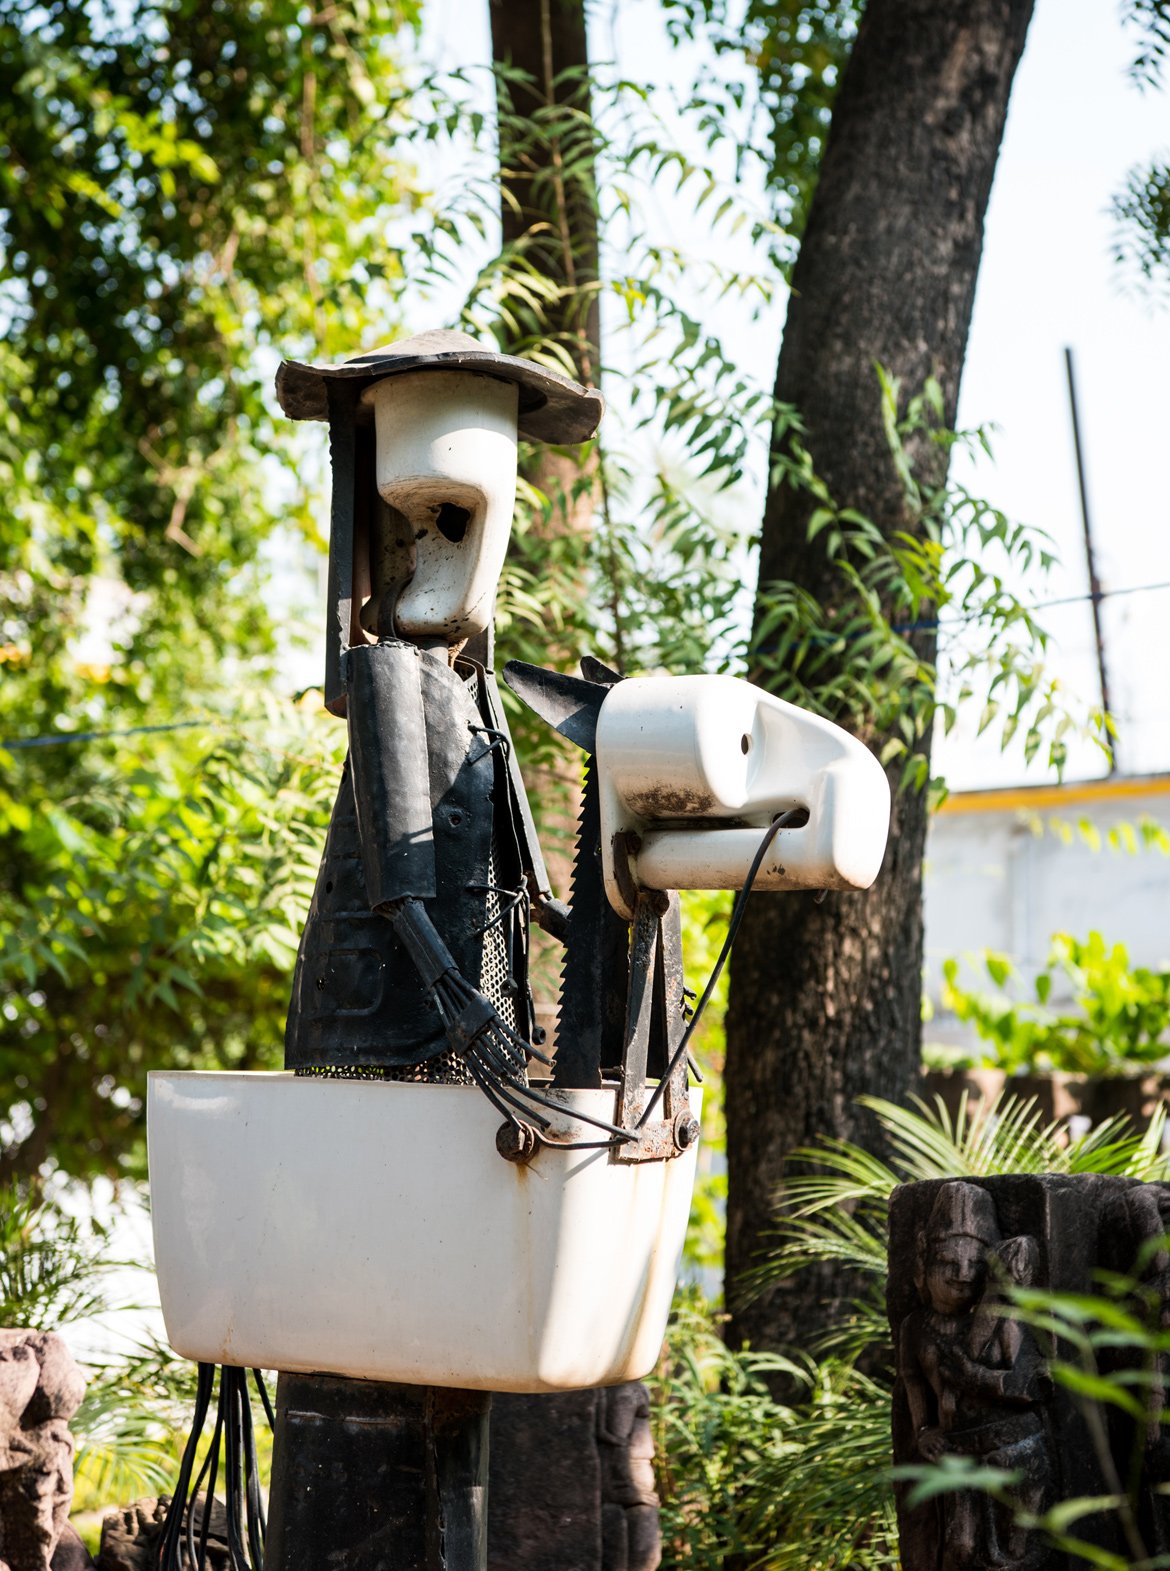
1007,869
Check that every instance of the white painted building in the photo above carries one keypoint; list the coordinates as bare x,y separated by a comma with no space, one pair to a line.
1005,869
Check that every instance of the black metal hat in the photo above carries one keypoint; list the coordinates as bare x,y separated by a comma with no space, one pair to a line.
552,408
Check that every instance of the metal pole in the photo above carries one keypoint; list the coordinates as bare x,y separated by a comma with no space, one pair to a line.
1094,581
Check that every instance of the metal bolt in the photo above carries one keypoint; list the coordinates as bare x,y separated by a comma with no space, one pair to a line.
516,1142
686,1130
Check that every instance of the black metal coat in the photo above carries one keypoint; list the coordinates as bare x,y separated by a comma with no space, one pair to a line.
431,807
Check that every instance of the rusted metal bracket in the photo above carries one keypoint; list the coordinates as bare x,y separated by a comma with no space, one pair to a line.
656,1008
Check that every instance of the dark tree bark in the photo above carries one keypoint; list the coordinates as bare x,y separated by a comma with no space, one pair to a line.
548,214
548,200
825,999
548,203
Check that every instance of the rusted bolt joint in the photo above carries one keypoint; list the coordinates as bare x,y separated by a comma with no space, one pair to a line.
686,1130
516,1142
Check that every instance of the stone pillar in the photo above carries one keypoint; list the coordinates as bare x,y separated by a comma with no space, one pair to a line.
370,1476
973,1381
572,1482
40,1389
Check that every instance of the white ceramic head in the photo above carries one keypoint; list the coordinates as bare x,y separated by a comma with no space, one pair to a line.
446,467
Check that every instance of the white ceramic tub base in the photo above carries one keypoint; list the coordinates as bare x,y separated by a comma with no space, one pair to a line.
371,1229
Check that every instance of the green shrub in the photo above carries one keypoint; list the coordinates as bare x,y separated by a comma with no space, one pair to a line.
745,1480
129,1429
1117,1020
748,1481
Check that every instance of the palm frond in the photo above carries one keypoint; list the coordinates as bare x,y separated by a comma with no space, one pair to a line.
123,1450
51,1264
838,1212
845,1173
860,1330
829,1484
1005,1134
1008,1134
1111,1147
856,1239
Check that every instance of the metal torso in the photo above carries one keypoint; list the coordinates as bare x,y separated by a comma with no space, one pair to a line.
357,1000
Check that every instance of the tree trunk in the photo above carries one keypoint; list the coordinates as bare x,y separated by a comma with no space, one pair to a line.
548,214
548,200
571,1482
825,999
548,204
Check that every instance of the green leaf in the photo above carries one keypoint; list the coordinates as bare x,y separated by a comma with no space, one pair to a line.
1097,1388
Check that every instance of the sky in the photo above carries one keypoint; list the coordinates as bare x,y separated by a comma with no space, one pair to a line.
1076,125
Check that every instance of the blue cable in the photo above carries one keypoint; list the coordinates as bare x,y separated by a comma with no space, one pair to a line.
97,736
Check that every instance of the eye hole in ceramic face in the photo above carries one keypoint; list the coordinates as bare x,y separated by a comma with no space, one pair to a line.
452,521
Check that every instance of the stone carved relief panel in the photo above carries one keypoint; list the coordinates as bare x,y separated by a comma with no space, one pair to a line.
40,1388
1135,1228
973,1382
974,1379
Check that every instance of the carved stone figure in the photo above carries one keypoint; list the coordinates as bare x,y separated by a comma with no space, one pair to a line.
40,1389
132,1534
631,1534
1135,1242
975,1379
971,1379
572,1482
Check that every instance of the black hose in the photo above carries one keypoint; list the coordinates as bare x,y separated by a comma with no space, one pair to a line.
233,1441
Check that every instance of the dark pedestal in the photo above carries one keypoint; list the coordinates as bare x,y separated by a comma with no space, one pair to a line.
573,1482
973,1382
545,1504
371,1477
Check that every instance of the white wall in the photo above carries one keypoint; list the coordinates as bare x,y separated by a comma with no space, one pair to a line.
1001,875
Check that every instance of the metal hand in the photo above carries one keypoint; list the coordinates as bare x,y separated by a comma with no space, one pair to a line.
493,1051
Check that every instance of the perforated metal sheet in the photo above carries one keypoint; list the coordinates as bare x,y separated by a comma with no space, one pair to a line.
444,1069
494,971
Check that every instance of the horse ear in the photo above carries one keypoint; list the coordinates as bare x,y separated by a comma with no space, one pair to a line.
569,704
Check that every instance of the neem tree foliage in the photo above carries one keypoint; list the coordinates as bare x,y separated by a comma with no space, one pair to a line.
186,189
